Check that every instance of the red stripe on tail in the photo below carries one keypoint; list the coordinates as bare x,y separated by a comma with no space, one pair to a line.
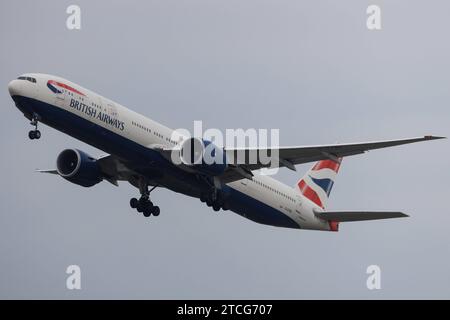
309,193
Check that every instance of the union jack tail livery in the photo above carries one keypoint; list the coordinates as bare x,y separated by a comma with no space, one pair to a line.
317,183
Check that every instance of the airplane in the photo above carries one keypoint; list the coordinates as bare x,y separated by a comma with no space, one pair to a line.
139,151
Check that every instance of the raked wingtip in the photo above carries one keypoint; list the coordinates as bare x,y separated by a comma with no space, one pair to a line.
431,137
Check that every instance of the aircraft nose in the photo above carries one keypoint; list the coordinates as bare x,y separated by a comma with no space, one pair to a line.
15,88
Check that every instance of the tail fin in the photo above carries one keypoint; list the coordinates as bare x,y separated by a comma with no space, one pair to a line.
317,183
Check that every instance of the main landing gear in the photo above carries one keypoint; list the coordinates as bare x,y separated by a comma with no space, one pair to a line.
214,200
144,205
34,134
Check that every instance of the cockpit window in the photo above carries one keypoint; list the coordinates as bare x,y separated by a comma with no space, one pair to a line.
33,80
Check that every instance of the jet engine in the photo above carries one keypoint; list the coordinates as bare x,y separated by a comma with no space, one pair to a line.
202,156
78,167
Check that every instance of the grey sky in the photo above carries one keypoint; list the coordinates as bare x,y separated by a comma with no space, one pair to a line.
310,68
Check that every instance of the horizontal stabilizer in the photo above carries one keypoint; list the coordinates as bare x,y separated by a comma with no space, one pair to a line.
346,216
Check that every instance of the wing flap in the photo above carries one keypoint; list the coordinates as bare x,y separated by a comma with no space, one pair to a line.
348,216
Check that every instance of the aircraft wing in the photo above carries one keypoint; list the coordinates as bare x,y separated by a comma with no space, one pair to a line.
113,169
347,216
249,159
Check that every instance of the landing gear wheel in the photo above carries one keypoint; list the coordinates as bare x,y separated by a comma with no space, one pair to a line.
134,203
145,202
216,207
156,211
144,205
34,134
148,212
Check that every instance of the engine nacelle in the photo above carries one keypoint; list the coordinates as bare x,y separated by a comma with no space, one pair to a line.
203,156
78,167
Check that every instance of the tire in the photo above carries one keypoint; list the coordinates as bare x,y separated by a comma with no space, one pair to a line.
37,134
134,203
140,208
216,207
145,202
31,135
156,211
202,197
147,212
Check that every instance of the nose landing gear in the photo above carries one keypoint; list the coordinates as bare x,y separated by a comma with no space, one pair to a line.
34,134
144,205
